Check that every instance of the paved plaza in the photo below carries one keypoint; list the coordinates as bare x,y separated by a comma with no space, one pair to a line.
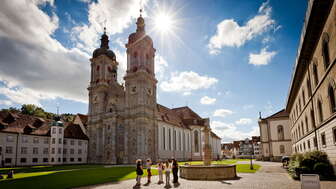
270,176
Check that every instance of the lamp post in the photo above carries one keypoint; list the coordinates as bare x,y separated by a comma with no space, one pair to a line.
251,165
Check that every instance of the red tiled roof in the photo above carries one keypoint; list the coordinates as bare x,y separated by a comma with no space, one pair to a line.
279,114
181,117
74,131
167,115
28,124
255,138
83,118
186,113
228,145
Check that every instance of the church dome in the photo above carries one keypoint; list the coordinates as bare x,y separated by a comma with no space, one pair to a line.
104,48
105,51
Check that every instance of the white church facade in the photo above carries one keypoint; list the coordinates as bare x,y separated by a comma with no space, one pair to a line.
126,123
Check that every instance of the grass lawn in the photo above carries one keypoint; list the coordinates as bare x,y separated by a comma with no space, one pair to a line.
241,168
69,176
59,177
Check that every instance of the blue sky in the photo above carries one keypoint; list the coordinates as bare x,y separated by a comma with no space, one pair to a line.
226,59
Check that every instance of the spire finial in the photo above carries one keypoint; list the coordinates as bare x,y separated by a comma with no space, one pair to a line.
140,8
104,40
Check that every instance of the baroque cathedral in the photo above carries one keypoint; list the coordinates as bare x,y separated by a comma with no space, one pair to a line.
125,123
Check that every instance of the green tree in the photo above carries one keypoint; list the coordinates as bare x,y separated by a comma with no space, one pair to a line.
28,109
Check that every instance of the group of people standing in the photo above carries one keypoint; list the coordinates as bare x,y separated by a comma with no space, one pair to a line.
166,167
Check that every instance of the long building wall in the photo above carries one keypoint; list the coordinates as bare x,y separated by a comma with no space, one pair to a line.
183,147
312,115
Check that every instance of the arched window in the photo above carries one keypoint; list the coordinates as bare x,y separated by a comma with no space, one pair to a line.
315,74
282,149
309,88
331,95
306,120
325,50
164,138
320,111
312,115
281,135
303,97
196,142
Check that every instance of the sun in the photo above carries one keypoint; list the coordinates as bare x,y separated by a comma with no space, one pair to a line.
164,23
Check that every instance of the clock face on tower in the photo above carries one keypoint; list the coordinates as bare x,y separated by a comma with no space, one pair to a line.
133,89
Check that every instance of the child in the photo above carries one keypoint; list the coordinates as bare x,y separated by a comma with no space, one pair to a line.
175,171
139,172
168,169
160,170
149,173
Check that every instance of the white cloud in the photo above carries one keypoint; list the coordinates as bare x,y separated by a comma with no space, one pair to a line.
160,66
230,33
264,57
31,60
186,82
117,15
207,100
229,132
244,121
188,93
222,112
24,96
6,102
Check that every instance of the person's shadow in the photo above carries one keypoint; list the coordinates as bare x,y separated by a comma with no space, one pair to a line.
168,186
176,185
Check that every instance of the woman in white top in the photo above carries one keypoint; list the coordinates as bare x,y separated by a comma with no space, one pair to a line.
168,170
160,170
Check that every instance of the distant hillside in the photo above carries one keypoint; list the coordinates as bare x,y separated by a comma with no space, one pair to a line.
31,109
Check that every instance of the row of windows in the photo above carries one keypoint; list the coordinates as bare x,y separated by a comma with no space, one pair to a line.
303,128
36,140
24,150
332,104
44,160
178,138
60,130
331,90
302,147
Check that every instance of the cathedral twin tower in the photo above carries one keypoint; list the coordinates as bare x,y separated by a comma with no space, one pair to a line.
122,124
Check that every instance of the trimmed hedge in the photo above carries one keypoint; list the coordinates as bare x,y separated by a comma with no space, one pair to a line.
315,162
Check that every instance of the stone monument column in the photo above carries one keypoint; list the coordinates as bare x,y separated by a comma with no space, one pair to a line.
207,147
